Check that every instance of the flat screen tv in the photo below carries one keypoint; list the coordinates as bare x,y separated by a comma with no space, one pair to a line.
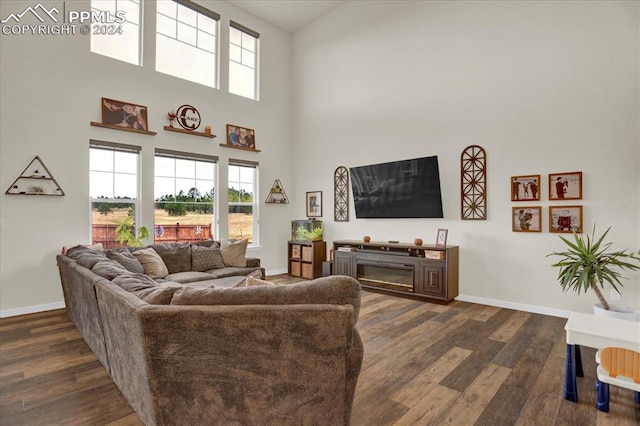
399,189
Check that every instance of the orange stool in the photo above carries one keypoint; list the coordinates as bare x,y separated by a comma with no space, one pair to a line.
619,367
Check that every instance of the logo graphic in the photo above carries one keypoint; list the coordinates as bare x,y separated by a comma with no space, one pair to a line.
34,11
188,117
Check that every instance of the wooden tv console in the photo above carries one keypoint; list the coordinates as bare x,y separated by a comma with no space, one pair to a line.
422,272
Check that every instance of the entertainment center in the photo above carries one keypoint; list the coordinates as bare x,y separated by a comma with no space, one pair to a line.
425,272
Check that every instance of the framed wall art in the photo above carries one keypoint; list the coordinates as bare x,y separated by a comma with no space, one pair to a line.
525,188
124,114
565,186
314,204
441,238
241,137
526,219
565,219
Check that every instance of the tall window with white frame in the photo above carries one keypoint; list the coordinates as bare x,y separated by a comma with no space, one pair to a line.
187,41
184,192
243,61
113,191
121,38
243,200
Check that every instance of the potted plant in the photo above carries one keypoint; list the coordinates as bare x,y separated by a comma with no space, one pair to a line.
126,233
589,263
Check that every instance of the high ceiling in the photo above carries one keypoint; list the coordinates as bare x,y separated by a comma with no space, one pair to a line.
288,15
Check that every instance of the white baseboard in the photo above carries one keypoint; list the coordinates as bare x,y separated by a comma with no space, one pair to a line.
276,272
517,306
6,313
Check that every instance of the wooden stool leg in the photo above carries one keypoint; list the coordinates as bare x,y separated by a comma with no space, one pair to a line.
603,396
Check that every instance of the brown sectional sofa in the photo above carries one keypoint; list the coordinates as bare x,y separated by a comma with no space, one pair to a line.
204,352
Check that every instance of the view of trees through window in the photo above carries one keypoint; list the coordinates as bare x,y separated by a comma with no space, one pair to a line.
242,203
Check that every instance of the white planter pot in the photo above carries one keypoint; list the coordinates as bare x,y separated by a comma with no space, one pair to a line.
616,311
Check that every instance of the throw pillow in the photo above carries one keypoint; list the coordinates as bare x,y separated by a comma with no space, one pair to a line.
109,269
126,259
253,279
146,289
85,256
234,253
176,256
151,263
206,258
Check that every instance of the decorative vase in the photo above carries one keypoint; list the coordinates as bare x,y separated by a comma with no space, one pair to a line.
417,241
616,311
366,238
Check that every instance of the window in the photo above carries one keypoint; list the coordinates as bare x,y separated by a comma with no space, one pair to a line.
186,41
113,190
122,40
243,61
243,204
184,193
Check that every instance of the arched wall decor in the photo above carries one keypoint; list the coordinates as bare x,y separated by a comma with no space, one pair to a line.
341,195
473,183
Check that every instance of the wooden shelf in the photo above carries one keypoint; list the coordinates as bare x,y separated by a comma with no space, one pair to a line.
126,129
240,147
189,132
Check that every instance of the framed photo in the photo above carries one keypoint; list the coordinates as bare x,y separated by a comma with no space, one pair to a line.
525,188
314,204
526,219
565,186
241,137
124,114
441,239
565,219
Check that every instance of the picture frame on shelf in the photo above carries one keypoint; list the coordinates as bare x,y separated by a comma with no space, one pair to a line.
526,219
565,219
565,186
525,188
241,137
314,204
441,237
124,115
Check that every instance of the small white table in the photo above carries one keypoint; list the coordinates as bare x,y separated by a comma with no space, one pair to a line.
595,332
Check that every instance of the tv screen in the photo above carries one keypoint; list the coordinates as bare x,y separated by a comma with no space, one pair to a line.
399,189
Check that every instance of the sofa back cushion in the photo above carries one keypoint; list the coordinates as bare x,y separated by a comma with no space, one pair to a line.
109,269
126,259
234,253
206,258
151,262
145,288
86,256
176,256
338,290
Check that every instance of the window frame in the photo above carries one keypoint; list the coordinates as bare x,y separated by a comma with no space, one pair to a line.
248,31
255,226
138,24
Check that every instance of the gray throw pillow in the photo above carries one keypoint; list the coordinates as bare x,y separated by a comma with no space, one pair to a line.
126,259
85,256
146,289
109,269
205,259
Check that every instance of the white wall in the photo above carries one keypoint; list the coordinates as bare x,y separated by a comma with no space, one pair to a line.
544,87
50,90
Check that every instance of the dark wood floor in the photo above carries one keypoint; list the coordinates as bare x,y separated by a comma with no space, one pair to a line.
425,364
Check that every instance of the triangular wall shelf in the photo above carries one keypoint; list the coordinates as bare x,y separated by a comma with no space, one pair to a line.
277,194
36,179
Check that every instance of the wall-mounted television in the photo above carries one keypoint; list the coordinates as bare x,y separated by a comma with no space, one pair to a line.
399,189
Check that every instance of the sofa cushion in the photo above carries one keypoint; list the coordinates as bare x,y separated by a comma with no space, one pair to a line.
86,256
188,277
336,289
230,272
205,258
109,269
176,256
253,279
126,259
147,289
151,262
234,252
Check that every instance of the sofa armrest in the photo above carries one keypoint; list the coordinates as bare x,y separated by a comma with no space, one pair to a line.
253,262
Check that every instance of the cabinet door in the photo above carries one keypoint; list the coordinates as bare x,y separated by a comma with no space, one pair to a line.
430,279
343,264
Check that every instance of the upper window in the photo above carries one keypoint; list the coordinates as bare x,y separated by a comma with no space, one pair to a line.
186,41
243,200
184,196
243,61
120,40
113,191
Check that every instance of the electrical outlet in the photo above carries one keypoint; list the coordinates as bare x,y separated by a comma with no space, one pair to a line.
615,296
